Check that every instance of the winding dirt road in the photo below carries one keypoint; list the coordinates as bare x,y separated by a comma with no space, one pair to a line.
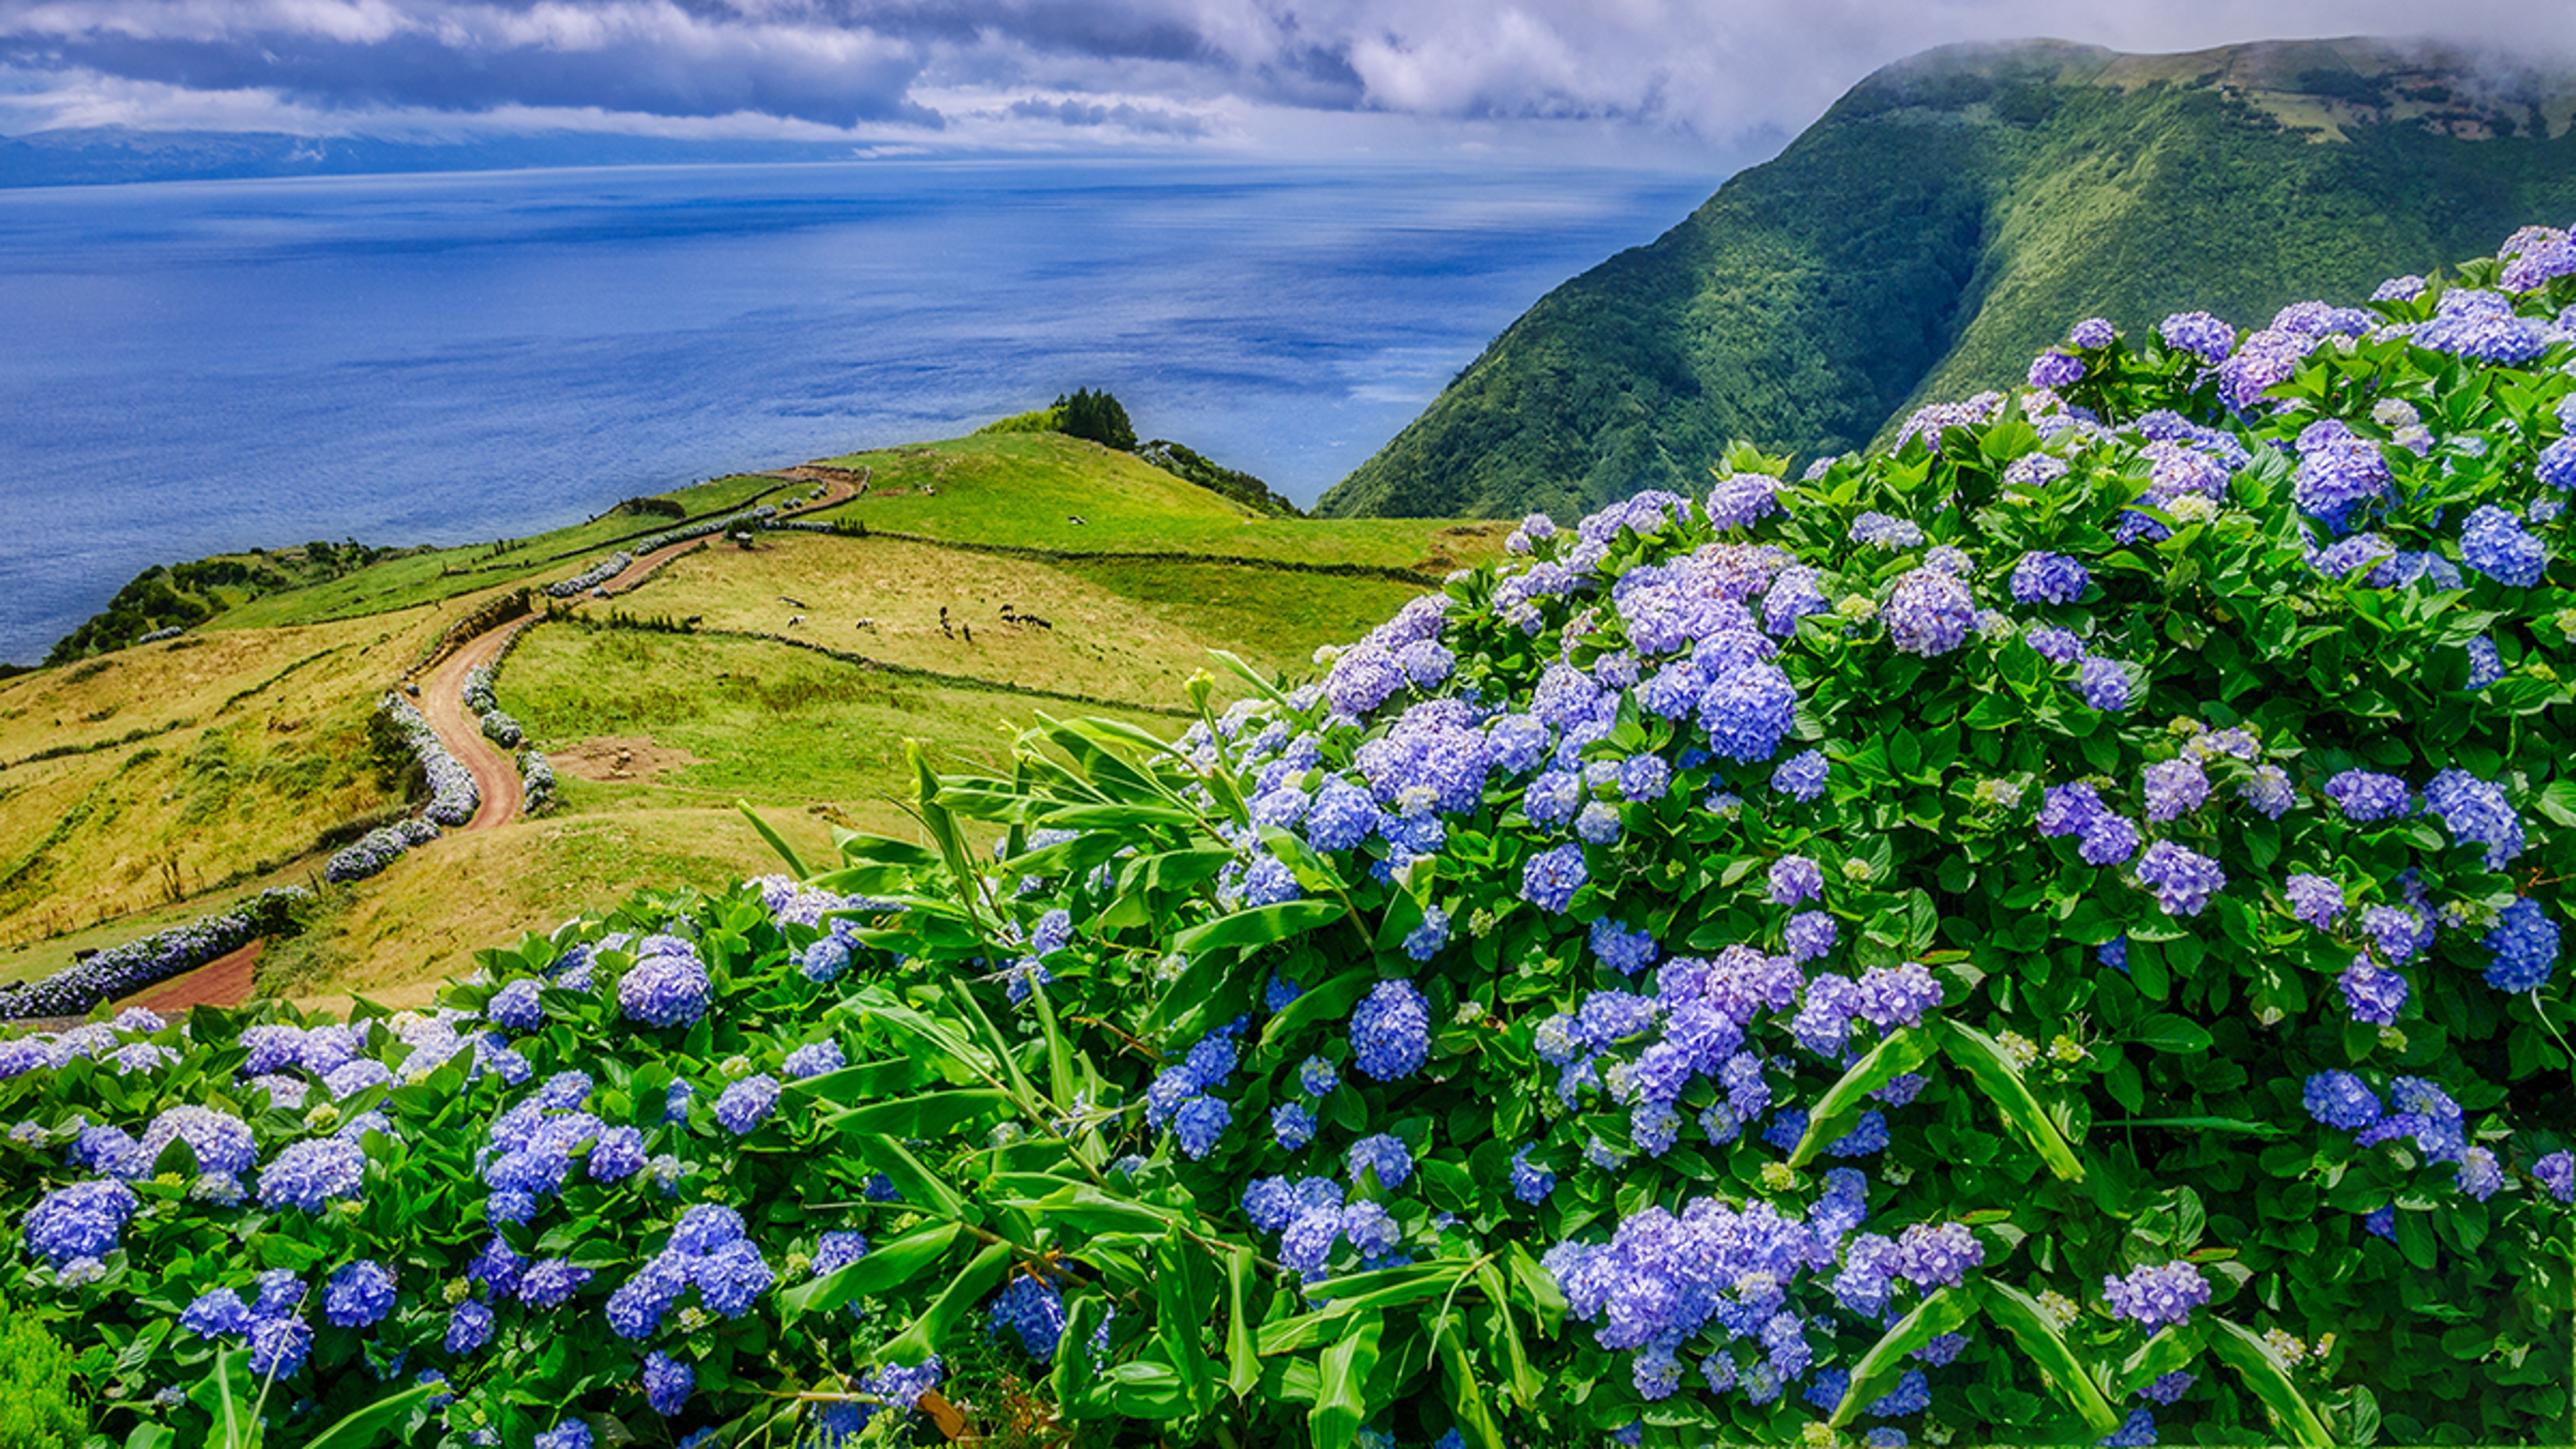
227,981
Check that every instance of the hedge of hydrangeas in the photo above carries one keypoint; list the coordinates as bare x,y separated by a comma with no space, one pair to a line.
503,729
453,798
536,782
123,970
2049,934
591,577
378,848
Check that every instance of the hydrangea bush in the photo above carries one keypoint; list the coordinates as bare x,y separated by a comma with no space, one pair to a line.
124,970
2049,934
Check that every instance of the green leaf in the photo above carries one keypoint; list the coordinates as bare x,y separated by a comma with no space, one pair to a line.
1258,926
1841,1104
891,1265
964,1293
1075,1378
2022,1317
1878,1369
920,1187
1328,1002
1525,1385
2170,1349
225,1394
378,1423
1088,1209
786,853
1466,1396
1341,1397
1242,1356
1180,1318
1995,1074
2167,1032
858,847
2264,1372
930,1114
1250,676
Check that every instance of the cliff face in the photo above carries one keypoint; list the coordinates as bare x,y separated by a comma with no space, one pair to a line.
1956,212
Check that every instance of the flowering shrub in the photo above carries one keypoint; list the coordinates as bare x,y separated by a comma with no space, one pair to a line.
378,848
536,782
453,798
124,970
477,690
592,577
502,729
2048,934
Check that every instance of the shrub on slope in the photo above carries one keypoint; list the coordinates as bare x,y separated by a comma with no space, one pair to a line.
2049,934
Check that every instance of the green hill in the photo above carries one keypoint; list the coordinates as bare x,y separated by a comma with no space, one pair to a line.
1953,214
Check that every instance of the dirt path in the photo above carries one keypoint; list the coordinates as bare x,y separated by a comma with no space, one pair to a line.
224,981
838,487
442,703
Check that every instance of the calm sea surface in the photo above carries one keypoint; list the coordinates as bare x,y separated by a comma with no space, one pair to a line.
187,368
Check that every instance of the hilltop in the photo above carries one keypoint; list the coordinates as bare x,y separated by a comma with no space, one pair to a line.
986,578
1954,213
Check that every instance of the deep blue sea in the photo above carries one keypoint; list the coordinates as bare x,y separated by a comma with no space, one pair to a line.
192,367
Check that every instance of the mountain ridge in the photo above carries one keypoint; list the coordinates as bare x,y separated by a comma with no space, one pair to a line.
1955,212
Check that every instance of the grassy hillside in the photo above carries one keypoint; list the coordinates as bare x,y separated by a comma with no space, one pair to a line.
153,783
1952,215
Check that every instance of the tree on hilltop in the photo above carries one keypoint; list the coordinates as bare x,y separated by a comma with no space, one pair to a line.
1097,416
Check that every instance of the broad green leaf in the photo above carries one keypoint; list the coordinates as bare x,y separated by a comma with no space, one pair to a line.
872,1004
786,852
1466,1395
1878,1369
1341,1394
2003,1086
1180,1318
2169,1033
1088,1209
2264,1372
858,847
1525,1383
857,1083
1242,1356
964,1293
1146,1389
1329,1001
1251,676
919,1186
964,996
2170,1349
1841,1104
1075,1377
930,1114
1258,926
378,1423
1061,1088
889,1265
2022,1317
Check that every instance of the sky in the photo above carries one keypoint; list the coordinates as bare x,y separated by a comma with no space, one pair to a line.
1647,82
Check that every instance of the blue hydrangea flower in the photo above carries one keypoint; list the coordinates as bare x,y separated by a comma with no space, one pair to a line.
1795,878
2198,333
312,1173
2373,993
2315,900
825,960
1292,1125
469,1327
667,1383
570,1434
1552,877
2138,1431
358,1294
279,1346
1622,950
2183,879
2556,1174
747,1103
1929,612
1032,1310
1809,935
1316,1077
2523,947
1385,1154
813,1059
1199,1123
2365,796
2493,542
2173,789
667,986
1747,712
2105,685
1531,1183
2157,1295
1424,941
2340,1099
1929,1254
2476,813
216,1314
515,1006
1802,776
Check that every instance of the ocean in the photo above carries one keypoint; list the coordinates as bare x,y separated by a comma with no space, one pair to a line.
195,367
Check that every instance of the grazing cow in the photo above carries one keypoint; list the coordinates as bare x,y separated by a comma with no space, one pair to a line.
795,620
794,603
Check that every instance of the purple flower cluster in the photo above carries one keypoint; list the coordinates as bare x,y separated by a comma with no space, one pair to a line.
2157,1295
667,986
1391,1031
2102,836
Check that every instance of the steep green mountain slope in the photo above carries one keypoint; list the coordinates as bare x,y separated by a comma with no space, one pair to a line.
1956,212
